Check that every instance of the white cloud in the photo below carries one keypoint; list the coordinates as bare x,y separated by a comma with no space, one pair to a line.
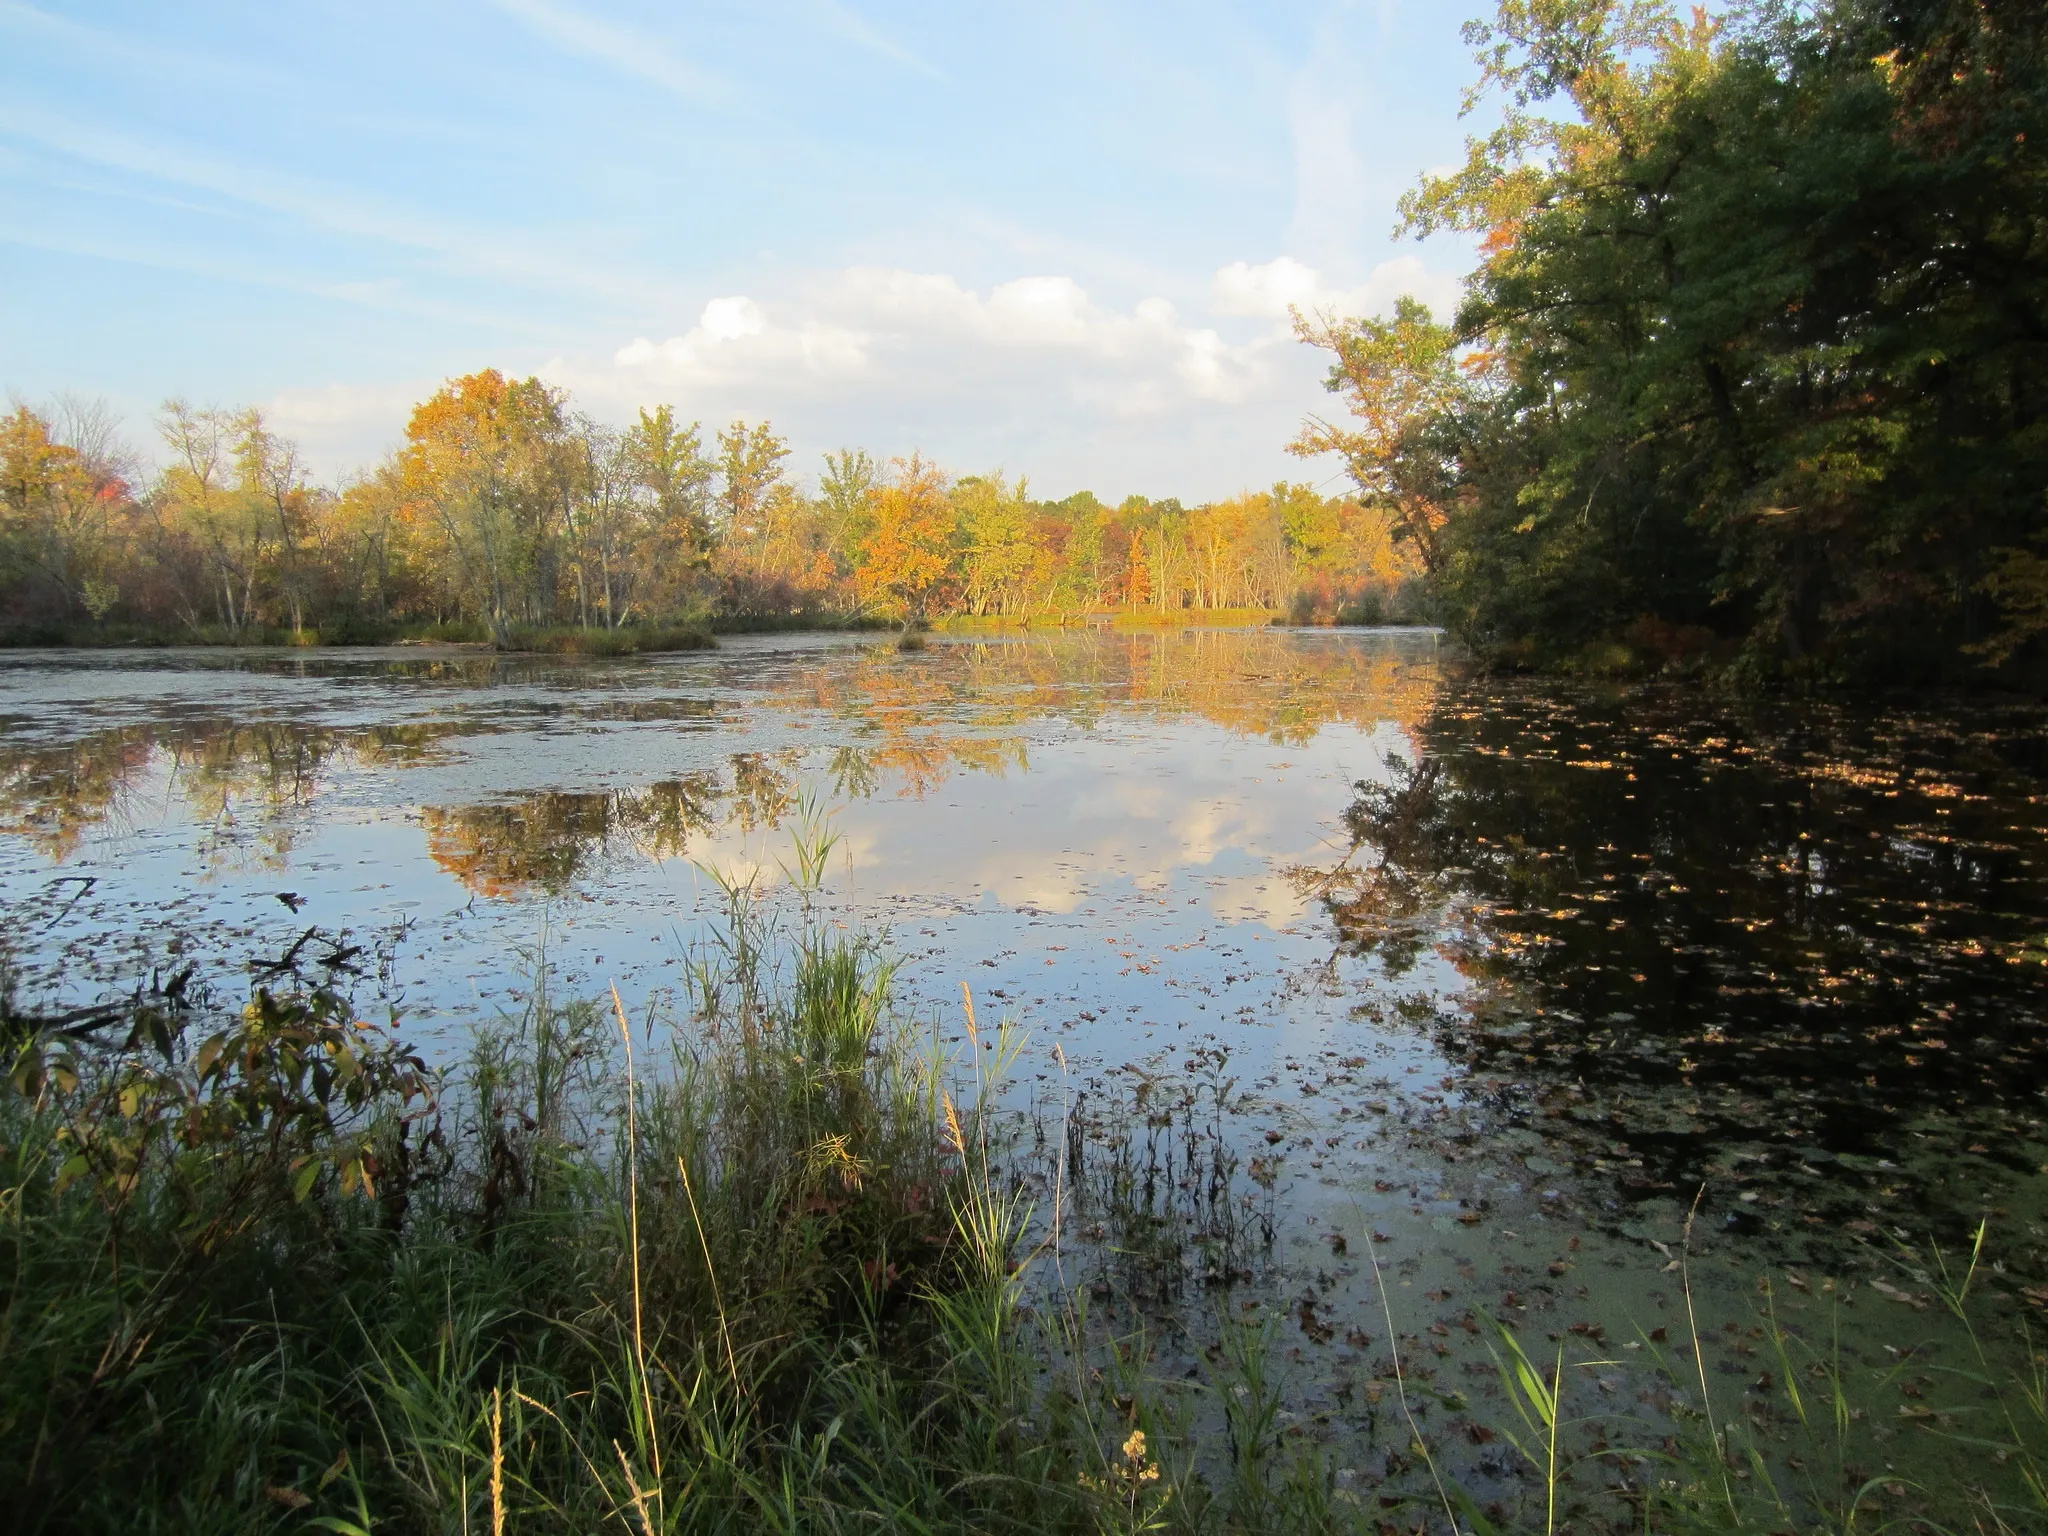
1266,290
879,325
1270,289
1034,374
730,319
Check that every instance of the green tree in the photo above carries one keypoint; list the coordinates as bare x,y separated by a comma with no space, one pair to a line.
669,464
749,468
846,501
1762,308
1401,380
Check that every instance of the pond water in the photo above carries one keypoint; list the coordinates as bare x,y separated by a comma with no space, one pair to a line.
1357,985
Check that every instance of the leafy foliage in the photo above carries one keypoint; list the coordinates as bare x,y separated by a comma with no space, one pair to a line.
1758,336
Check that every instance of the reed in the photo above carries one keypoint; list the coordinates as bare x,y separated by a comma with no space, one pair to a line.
771,1263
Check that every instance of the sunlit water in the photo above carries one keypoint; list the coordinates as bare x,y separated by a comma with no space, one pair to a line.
1490,980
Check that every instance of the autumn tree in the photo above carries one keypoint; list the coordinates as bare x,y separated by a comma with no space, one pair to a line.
57,502
1002,561
201,492
1763,304
270,481
749,469
675,478
846,502
906,560
1401,381
478,461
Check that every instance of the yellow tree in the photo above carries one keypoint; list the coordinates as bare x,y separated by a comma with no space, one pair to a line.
479,465
270,482
370,549
204,494
54,513
906,558
674,479
750,466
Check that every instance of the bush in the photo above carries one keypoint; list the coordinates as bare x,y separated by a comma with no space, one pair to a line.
630,640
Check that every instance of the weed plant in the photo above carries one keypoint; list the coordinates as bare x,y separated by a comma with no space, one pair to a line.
756,1267
765,1264
628,640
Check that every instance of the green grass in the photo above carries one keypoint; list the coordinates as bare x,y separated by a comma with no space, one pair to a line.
764,1264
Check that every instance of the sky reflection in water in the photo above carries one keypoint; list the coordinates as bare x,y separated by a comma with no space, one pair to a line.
1571,949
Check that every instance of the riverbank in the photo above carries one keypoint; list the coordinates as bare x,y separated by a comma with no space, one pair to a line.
695,633
555,640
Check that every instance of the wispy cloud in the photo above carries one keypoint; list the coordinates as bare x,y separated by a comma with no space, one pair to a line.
629,52
158,59
851,25
324,206
386,297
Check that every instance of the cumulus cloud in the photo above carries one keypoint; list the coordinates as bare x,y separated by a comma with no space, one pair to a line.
876,326
1035,374
1269,290
1265,290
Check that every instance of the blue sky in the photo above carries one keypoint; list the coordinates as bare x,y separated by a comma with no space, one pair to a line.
1052,238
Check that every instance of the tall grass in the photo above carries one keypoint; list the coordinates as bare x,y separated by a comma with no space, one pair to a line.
756,1267
766,1264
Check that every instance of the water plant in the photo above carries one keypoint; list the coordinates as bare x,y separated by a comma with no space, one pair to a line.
777,1259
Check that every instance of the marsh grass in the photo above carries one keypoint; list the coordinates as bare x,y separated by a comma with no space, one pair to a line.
1946,1435
758,1265
774,1261
627,640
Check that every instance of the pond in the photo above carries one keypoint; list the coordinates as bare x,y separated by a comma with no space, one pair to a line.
1366,993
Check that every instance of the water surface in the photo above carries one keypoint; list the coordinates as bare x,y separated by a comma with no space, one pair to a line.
1327,949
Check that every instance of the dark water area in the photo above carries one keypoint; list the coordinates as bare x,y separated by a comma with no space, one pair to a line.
1790,952
1357,989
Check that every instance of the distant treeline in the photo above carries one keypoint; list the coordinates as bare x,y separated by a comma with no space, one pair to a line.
506,511
1750,374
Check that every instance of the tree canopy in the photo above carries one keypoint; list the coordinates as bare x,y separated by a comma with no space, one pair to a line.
506,509
1752,357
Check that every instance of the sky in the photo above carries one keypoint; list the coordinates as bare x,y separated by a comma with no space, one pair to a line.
1053,239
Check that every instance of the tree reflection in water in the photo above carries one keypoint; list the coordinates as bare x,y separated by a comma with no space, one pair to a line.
1794,957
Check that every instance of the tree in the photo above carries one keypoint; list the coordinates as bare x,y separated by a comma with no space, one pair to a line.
223,510
750,467
906,559
611,525
270,477
56,503
846,501
1400,379
478,462
1758,331
670,467
1000,555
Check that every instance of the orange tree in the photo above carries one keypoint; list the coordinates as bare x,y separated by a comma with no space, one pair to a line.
906,561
